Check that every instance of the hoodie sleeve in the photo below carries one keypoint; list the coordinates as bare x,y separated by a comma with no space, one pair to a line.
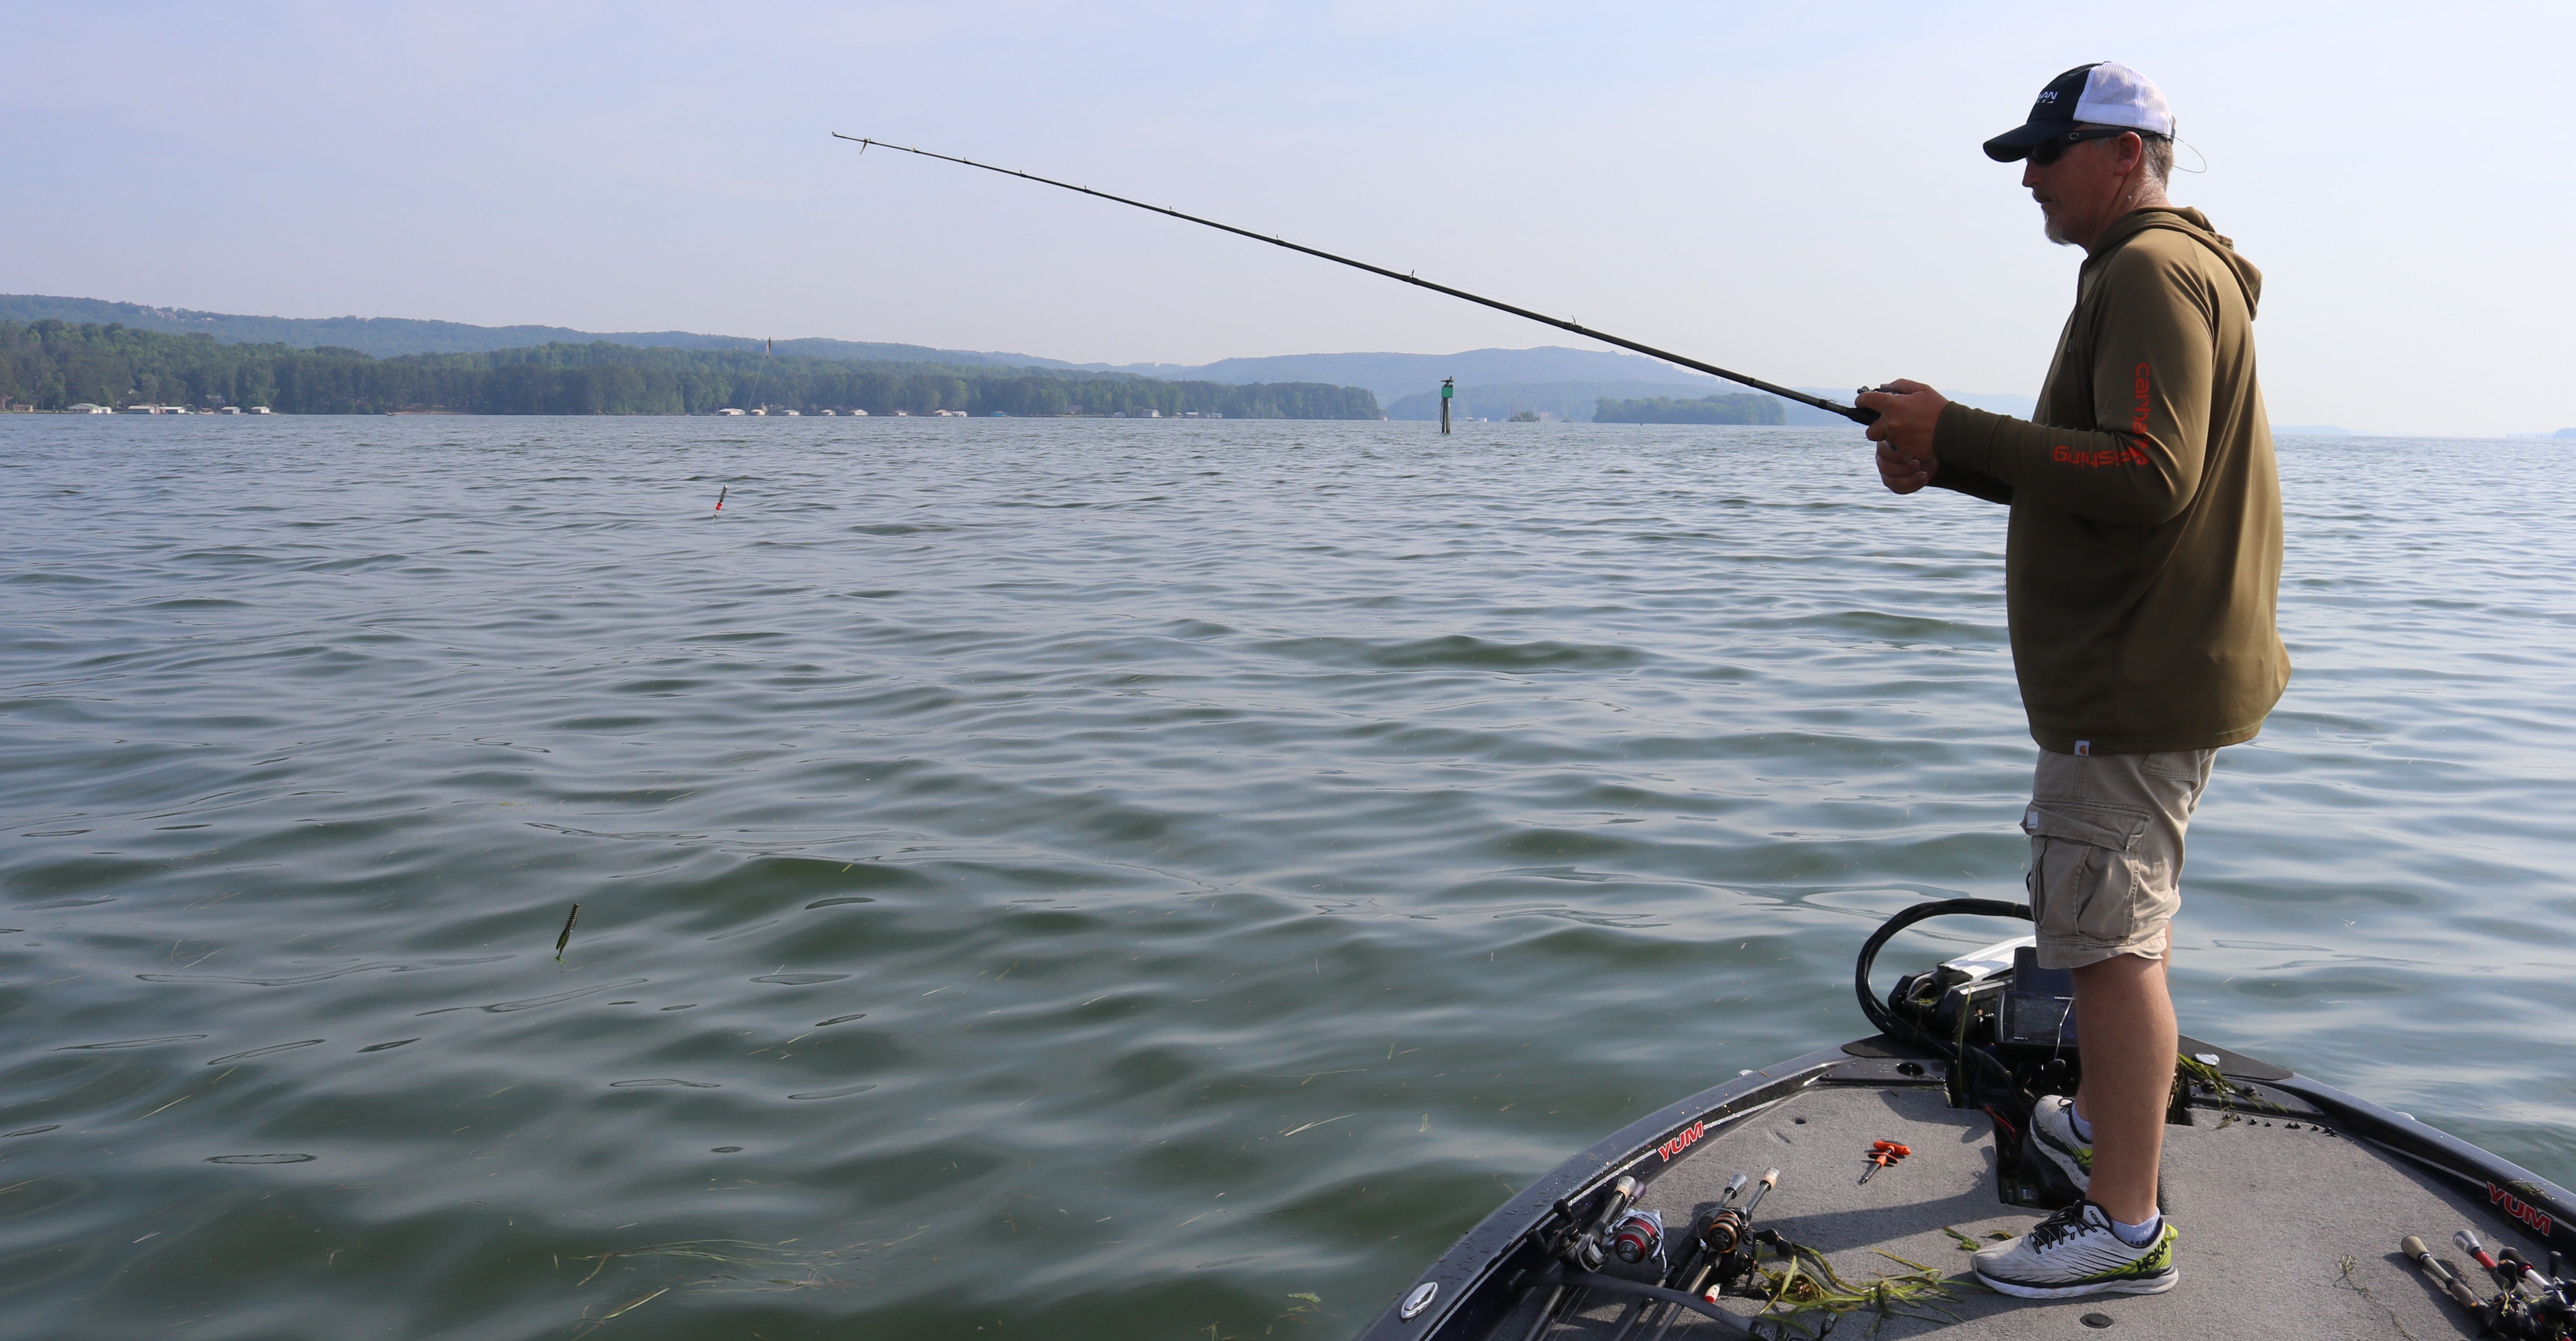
2139,461
1974,485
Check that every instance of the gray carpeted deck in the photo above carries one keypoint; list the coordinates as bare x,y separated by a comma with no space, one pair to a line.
2268,1215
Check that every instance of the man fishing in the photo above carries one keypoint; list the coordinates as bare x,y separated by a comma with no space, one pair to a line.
2141,567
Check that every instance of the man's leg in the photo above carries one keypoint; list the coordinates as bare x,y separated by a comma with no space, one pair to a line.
2114,1241
2125,1022
2105,866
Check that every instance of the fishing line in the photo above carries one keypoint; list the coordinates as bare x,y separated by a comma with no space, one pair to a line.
1857,416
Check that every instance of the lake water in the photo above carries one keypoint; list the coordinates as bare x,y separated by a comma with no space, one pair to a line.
1119,876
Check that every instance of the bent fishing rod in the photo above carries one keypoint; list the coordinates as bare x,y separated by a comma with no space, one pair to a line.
1857,416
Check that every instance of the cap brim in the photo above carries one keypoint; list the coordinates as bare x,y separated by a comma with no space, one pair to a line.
2015,145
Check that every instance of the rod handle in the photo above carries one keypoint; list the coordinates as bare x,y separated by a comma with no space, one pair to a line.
2413,1247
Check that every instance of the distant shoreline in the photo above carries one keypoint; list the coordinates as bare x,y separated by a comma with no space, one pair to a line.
55,365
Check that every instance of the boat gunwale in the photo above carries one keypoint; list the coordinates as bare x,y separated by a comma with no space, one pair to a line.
2488,1177
1461,1271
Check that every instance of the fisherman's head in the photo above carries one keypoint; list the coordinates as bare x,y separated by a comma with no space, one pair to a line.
2098,143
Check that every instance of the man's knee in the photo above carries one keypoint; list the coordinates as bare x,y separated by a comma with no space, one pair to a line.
2122,968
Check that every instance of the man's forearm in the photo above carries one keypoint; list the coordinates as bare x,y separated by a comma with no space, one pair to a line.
1972,483
2103,476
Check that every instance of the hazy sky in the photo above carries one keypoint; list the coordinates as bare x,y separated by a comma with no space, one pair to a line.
1793,190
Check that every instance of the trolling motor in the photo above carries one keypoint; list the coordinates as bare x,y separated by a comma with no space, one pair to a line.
2006,1029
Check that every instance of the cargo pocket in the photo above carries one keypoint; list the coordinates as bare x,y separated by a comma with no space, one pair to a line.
2085,882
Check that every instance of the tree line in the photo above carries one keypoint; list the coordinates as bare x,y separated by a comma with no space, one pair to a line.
54,364
1724,408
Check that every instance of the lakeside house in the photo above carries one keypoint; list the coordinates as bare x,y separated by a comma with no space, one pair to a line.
87,408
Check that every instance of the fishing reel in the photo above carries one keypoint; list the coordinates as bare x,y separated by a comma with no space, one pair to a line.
2510,1314
2537,1310
2533,1305
1637,1237
1726,1233
1583,1243
2550,1289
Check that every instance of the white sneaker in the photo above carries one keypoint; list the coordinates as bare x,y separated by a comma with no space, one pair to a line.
2077,1252
2052,1129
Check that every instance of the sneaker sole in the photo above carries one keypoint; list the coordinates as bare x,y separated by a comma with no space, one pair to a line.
2155,1284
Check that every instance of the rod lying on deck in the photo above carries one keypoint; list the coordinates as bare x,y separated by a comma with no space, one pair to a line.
1855,415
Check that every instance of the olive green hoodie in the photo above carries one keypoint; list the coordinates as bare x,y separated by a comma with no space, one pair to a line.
2143,558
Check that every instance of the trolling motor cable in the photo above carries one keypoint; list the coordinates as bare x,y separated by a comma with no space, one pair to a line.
1857,416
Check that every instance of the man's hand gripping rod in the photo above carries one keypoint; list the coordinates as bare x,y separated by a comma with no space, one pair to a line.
1857,416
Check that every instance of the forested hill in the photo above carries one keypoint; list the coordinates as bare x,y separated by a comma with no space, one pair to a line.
54,364
391,337
1733,408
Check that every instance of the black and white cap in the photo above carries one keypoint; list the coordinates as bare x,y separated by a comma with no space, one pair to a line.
2105,93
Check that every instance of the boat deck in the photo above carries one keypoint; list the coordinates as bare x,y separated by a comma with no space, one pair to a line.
2287,1230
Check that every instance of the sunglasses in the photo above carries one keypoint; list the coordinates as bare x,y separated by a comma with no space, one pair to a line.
2048,151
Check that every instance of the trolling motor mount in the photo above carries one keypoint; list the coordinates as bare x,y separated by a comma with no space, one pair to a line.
2006,1028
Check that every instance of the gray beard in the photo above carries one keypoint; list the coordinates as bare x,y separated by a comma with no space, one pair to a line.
2048,228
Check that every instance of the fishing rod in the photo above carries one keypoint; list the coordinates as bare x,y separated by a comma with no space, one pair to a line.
1857,416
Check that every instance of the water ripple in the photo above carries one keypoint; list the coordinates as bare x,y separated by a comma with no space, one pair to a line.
1120,873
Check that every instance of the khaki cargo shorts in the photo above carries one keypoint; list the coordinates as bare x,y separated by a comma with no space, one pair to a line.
2106,851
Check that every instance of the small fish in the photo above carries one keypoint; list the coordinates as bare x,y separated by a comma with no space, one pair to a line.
566,938
721,491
